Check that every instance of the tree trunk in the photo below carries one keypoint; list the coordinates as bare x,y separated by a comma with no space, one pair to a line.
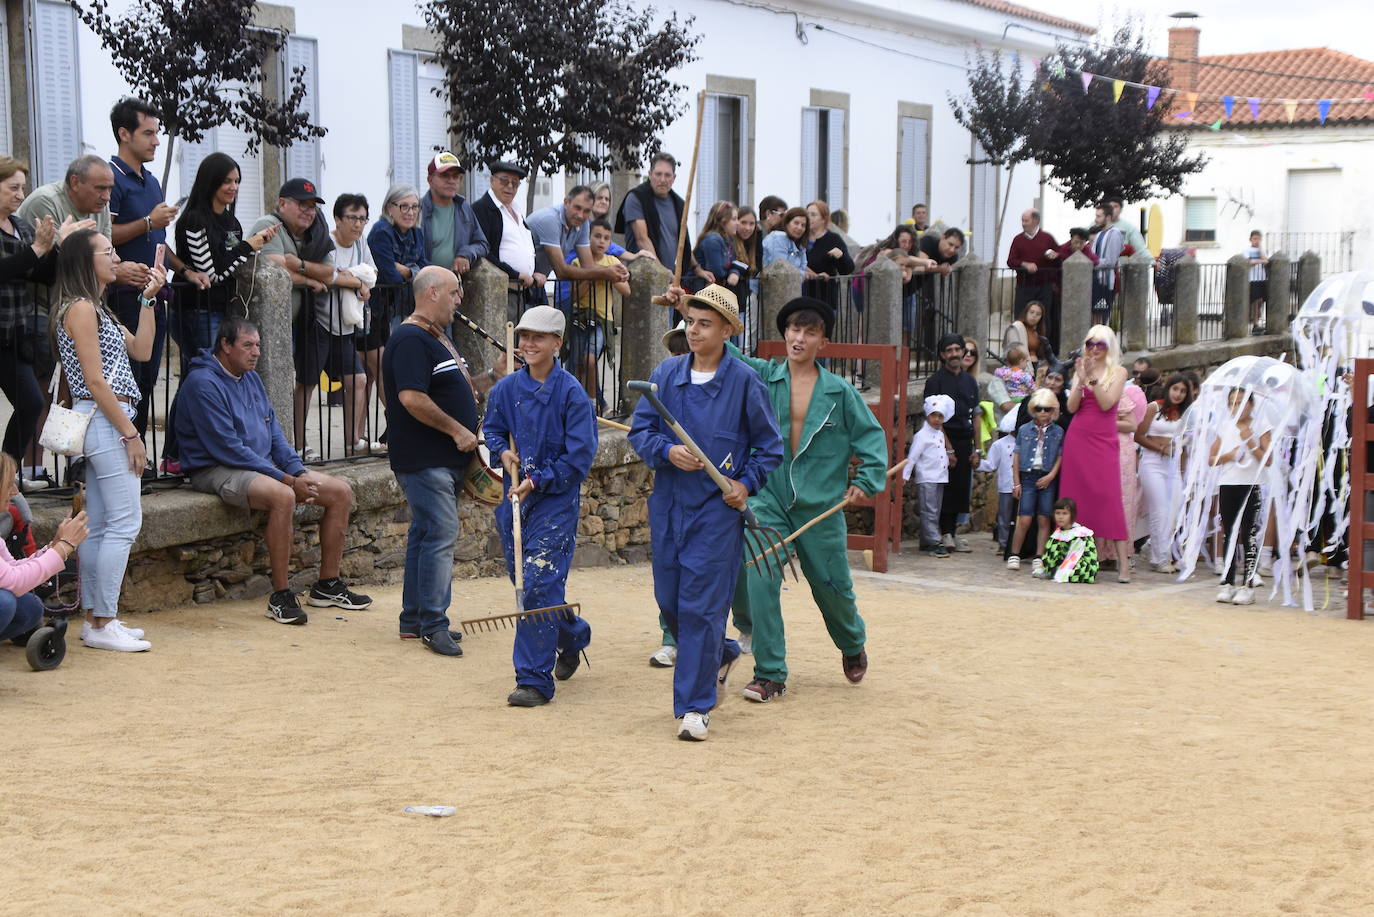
167,164
531,180
1001,216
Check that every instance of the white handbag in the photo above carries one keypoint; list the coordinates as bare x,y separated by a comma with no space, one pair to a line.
64,432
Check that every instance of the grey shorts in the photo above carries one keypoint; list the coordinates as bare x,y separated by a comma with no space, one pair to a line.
229,484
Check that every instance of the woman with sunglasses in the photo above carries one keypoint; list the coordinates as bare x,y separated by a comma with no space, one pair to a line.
1091,472
95,349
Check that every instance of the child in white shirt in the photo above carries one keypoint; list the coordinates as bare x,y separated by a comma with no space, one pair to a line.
1001,456
929,460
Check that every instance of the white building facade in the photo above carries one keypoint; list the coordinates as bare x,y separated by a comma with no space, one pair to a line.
842,101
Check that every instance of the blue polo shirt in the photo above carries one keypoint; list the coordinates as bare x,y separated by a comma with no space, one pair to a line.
134,196
550,227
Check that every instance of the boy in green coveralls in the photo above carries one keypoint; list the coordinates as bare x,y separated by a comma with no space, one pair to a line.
824,422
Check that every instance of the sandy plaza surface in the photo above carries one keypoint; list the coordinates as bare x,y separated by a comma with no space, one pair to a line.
1018,748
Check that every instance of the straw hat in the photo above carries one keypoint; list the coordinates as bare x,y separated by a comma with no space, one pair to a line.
722,300
679,328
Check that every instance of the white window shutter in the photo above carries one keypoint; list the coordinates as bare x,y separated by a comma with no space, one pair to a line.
707,191
810,154
432,113
983,216
252,200
302,159
55,91
835,160
405,151
745,166
913,177
192,155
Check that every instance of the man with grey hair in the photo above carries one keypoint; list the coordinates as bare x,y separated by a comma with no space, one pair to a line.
1035,259
432,422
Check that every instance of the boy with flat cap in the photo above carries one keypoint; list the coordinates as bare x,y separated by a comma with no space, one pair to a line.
697,532
825,424
540,428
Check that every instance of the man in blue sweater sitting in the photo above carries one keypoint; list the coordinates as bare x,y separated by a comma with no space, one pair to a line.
233,447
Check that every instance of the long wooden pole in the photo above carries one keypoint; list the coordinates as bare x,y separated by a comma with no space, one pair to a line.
686,204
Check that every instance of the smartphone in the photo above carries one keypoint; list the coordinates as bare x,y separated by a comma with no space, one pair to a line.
78,499
182,203
161,254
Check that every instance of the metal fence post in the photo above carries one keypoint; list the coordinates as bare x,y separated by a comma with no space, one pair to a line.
643,324
1278,292
1075,307
1236,309
1187,290
779,283
1136,272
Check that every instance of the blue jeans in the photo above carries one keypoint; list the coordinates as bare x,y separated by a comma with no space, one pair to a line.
428,586
114,511
19,614
194,330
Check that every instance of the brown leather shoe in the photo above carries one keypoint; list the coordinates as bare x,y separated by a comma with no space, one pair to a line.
855,667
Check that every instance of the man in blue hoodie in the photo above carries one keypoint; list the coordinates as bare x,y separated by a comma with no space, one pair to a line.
233,447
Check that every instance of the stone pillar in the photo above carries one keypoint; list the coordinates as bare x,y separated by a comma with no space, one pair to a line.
484,301
1309,275
1075,307
1136,273
1278,291
975,278
266,287
779,284
1236,306
882,308
1187,290
643,323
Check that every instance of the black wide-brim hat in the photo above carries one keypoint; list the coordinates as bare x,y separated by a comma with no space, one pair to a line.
827,314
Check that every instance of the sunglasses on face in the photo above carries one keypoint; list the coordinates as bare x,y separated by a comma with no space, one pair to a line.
1094,345
1042,410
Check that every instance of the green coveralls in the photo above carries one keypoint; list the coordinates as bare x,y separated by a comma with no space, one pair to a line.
838,425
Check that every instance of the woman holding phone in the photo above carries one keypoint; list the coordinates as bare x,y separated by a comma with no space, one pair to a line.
94,350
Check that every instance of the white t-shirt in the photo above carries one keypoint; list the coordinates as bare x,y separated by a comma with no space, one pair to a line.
517,246
327,307
702,378
1257,271
1001,456
927,460
1246,470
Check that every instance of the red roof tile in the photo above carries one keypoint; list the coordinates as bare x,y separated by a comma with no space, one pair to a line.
1295,74
1025,12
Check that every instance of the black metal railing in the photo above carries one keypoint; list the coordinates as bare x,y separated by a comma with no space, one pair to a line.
1211,302
930,306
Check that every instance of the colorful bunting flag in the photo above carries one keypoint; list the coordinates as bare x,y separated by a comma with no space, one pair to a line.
1151,96
1289,108
1215,125
1323,109
1228,103
1368,93
1254,108
1087,80
1117,86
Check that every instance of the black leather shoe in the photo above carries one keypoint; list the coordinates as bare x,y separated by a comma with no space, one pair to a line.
566,665
442,643
525,696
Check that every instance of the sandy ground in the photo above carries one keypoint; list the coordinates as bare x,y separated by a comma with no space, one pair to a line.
1017,748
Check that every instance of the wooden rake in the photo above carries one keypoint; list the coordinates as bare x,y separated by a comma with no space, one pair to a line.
763,540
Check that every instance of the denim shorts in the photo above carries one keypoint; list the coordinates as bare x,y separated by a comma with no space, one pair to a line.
1034,501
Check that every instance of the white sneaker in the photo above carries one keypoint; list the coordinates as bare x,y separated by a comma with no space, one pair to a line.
947,541
1243,596
1165,567
693,728
135,632
114,637
961,545
746,643
1037,568
1226,593
1013,563
665,658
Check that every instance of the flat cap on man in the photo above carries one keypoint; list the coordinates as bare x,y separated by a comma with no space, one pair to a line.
502,165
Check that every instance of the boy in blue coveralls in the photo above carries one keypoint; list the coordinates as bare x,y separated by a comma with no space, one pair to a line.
697,532
544,409
827,423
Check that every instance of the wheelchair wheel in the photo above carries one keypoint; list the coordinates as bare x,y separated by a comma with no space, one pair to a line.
46,649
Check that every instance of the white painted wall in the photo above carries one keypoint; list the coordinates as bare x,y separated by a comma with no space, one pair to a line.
1248,173
740,41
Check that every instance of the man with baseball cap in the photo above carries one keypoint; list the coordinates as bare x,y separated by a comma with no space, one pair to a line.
952,380
540,429
510,243
696,532
455,240
826,424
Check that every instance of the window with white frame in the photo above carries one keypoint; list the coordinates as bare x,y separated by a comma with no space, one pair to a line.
914,164
302,158
723,161
822,163
983,205
233,142
1200,219
54,91
419,115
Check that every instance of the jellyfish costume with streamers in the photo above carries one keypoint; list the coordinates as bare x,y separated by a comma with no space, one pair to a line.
1334,327
1284,406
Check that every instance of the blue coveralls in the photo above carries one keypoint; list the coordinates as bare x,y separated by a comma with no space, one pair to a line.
555,437
697,539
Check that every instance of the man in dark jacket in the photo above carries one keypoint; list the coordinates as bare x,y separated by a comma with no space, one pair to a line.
232,446
510,243
951,380
650,215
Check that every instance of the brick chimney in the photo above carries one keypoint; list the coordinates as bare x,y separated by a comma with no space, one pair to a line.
1183,42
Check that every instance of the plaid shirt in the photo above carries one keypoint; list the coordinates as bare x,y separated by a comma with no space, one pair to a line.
17,263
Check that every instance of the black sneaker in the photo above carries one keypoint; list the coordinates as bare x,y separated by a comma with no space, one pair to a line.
283,608
440,642
566,665
525,696
457,635
939,551
335,592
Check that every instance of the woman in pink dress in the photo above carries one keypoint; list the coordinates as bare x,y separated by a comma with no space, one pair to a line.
1130,411
1092,452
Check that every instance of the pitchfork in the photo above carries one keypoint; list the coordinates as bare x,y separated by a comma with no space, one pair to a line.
765,542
